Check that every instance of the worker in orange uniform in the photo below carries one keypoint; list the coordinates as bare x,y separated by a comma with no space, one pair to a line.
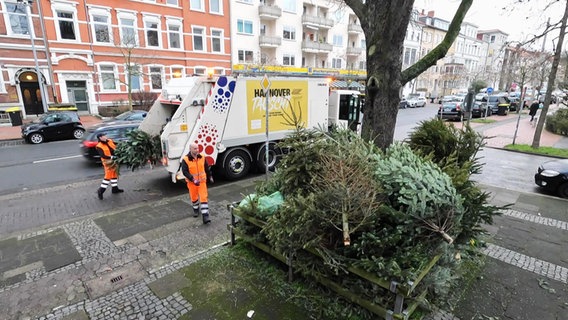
197,172
106,148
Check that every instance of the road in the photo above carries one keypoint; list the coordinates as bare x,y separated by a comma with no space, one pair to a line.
28,167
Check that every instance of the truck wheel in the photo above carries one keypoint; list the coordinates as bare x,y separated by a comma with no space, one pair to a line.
236,164
274,154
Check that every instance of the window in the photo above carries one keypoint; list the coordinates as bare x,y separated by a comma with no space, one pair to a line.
198,39
197,5
289,5
336,63
172,2
362,65
219,71
128,31
245,56
216,6
174,35
152,32
101,26
200,71
108,77
18,20
177,72
155,78
289,60
338,40
492,39
244,26
133,72
217,41
289,33
65,21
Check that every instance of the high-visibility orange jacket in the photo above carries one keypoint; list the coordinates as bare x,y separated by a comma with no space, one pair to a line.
106,149
195,168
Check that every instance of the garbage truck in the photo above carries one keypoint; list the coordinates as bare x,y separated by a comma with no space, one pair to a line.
226,116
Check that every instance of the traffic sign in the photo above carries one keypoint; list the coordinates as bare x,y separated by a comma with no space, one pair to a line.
489,90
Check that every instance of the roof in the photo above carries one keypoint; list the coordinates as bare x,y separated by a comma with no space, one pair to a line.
341,84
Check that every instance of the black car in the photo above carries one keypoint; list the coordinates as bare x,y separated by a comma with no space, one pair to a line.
134,115
55,125
479,109
116,131
450,111
496,101
553,176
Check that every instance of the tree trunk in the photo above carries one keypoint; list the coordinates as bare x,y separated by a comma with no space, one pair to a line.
384,23
384,63
551,77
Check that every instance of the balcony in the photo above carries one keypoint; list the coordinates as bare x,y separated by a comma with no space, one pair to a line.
354,29
269,12
314,22
269,42
352,51
315,47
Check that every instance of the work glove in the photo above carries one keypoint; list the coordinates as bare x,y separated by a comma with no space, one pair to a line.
112,157
196,182
211,179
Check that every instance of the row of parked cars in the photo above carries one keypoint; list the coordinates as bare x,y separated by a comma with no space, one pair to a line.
60,125
453,107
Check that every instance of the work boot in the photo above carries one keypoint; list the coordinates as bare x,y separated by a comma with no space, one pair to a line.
116,190
205,217
195,212
100,193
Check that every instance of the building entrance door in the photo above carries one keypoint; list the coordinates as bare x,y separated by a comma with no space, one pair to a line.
77,93
32,98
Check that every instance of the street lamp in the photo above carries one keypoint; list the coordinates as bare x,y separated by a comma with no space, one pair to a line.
27,6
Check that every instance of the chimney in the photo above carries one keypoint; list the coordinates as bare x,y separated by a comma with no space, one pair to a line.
431,14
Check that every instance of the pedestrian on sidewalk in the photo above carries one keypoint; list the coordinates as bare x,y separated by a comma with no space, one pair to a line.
197,173
533,109
106,148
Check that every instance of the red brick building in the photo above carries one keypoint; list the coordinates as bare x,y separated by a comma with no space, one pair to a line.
92,52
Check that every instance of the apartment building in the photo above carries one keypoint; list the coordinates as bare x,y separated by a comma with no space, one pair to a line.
316,37
93,52
493,64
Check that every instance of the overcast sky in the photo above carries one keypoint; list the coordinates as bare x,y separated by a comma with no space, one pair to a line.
519,20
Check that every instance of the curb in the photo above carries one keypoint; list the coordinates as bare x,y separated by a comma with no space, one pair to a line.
11,142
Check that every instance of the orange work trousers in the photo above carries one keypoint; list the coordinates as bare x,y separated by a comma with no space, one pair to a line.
110,170
197,192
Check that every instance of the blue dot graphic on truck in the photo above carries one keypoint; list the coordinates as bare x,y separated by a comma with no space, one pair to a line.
223,96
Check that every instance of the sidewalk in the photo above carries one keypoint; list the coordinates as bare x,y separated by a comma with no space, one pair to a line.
105,263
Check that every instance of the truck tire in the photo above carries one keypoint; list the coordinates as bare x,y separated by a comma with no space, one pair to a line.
274,155
236,164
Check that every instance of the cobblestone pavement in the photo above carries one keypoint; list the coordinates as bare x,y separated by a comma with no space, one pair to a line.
129,278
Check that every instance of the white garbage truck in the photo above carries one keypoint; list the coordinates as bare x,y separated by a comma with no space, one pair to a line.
226,117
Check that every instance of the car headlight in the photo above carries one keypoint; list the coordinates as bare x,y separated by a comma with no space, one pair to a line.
549,173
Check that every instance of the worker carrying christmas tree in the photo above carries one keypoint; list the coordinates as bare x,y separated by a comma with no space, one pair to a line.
197,173
106,148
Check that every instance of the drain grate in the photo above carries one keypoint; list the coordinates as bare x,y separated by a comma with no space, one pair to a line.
116,279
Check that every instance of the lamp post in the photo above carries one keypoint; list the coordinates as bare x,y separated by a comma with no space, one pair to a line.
27,7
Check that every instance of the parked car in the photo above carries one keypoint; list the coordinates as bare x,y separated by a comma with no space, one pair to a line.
450,111
480,96
479,109
134,115
54,125
445,99
495,101
553,176
403,104
117,131
416,102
